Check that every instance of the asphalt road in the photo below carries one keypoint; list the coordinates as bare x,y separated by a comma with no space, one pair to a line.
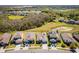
39,51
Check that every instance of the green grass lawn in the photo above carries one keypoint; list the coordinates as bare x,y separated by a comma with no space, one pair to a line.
47,27
75,27
12,17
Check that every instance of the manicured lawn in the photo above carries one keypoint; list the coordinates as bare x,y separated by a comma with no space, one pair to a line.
75,28
47,27
12,17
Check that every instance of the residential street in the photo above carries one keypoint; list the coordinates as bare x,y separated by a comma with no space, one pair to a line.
38,51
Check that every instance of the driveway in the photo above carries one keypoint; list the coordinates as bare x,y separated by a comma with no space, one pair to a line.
44,46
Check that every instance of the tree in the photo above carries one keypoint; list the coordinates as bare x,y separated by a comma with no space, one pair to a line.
73,46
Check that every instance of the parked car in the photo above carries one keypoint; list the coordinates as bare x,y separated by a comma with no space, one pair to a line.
4,39
17,38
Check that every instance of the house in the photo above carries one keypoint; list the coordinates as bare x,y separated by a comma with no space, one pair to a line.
66,21
17,38
41,38
38,38
66,38
52,37
29,38
4,39
1,12
71,21
77,22
44,38
76,36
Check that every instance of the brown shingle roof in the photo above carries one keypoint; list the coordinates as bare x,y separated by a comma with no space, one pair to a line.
19,41
5,37
0,37
76,36
17,34
30,36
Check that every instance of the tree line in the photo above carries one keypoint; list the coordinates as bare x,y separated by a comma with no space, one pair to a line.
28,22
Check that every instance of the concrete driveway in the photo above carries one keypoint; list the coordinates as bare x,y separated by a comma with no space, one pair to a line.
2,50
44,46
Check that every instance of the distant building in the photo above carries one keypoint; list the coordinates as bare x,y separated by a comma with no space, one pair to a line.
1,12
71,21
77,22
18,12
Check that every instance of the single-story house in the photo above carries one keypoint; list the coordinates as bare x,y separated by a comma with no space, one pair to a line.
17,38
66,39
29,38
4,39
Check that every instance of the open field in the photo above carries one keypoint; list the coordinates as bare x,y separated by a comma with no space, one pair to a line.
49,26
75,28
12,17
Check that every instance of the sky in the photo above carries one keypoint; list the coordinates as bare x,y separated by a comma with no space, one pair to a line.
39,2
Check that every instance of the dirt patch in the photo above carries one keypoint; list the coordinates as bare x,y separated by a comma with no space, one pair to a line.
64,28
